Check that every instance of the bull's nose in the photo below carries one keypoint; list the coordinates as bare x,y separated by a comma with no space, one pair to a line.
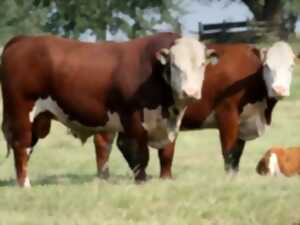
280,91
192,94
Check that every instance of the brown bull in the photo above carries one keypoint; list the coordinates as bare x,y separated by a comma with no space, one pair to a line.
238,96
140,87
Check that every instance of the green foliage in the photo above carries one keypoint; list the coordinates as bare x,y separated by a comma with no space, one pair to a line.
20,17
71,18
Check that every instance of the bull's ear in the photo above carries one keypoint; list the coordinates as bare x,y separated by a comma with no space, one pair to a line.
263,54
163,56
212,56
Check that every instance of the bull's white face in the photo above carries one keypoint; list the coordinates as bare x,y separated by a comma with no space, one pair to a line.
187,58
278,69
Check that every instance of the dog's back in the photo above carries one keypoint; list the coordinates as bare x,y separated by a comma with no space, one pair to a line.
280,161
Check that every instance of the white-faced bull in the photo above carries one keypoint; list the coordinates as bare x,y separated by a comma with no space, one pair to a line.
238,96
98,87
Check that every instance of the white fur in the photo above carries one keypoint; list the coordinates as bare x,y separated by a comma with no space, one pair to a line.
161,131
274,169
27,182
28,151
252,121
79,130
278,69
188,57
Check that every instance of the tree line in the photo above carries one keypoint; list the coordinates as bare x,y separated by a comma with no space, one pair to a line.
132,17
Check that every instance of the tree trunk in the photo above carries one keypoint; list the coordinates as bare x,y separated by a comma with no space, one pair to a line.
272,11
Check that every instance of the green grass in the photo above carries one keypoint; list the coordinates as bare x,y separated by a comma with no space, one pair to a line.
65,190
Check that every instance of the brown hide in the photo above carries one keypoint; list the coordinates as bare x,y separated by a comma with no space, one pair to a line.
86,80
235,81
288,161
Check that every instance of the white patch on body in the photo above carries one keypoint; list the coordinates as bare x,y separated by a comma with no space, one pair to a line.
79,130
273,166
252,121
28,151
161,131
27,182
278,69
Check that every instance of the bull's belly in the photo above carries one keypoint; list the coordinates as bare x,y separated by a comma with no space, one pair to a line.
160,130
78,129
252,121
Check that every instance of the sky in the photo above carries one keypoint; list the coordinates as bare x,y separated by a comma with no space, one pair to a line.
205,12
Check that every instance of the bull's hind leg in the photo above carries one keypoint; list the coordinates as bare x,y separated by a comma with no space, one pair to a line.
103,143
21,139
17,129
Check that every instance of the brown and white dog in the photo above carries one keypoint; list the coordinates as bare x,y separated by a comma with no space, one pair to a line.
280,161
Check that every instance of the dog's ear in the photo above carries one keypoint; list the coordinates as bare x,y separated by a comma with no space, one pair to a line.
261,167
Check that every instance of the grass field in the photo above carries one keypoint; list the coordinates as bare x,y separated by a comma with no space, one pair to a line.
65,190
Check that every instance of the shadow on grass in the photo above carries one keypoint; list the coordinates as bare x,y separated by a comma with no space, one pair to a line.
74,179
7,183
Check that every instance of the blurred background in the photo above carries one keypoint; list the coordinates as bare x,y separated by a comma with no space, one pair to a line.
92,20
65,188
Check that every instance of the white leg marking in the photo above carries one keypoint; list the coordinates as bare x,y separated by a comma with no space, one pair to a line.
274,169
28,151
27,182
136,170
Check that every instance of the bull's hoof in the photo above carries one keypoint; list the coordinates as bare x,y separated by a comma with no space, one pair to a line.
103,174
232,172
166,176
140,177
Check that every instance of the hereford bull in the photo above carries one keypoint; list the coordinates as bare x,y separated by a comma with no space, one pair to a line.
140,87
238,96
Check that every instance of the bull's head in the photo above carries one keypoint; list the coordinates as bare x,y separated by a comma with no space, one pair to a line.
187,59
278,62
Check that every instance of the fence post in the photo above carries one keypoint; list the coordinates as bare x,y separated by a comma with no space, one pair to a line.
201,31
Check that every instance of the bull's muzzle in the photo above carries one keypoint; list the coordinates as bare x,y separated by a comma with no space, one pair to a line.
280,91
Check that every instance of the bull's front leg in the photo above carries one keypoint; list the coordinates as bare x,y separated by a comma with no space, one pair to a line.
103,144
228,123
135,132
129,150
235,156
166,155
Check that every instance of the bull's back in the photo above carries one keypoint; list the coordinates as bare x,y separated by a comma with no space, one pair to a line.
228,80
